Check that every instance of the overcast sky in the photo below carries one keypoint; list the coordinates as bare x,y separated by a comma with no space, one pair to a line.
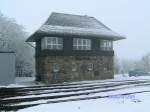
130,18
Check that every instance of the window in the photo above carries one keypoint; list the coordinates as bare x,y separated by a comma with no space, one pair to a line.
81,44
74,67
3,44
55,67
52,43
106,45
90,66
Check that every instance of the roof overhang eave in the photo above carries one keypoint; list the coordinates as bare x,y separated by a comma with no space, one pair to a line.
35,36
74,32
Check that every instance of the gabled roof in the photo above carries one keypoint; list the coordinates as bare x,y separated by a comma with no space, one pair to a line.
59,24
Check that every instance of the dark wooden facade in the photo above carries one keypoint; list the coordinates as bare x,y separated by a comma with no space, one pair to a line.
68,49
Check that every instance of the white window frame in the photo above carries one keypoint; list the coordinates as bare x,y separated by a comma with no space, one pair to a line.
106,45
53,44
81,44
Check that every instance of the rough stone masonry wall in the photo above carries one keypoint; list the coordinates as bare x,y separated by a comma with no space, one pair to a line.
102,68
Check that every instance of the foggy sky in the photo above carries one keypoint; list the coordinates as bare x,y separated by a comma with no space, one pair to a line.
130,18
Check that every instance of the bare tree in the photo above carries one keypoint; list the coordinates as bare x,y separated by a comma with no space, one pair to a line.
15,35
145,62
117,65
124,66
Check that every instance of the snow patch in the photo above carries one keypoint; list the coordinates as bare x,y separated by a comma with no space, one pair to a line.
140,104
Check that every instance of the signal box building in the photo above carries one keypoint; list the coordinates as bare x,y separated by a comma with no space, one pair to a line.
73,48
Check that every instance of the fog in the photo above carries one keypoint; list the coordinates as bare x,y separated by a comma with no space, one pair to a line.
130,18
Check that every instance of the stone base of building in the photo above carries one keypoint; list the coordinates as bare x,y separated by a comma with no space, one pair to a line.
74,68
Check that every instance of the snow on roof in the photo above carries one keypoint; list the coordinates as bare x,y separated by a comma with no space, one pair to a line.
84,32
60,19
60,24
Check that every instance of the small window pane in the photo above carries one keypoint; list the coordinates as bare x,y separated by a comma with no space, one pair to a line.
55,67
79,42
54,47
84,42
90,66
88,42
60,41
74,67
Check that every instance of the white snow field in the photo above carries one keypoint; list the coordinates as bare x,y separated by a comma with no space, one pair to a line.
121,94
140,103
30,81
22,82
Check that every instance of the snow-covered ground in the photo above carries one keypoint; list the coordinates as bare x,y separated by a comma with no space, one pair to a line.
131,103
135,103
30,81
22,82
126,77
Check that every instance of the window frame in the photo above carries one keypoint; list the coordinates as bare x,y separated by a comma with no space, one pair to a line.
73,67
3,44
90,66
56,44
55,67
106,45
82,44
